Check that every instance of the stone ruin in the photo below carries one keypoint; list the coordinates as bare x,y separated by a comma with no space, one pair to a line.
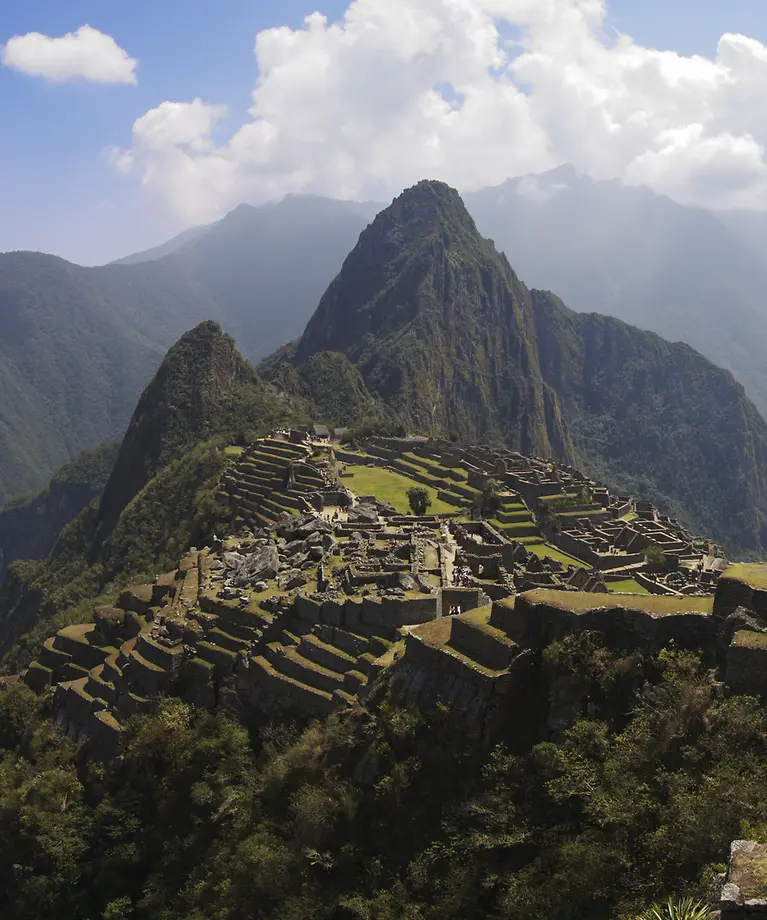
744,895
305,610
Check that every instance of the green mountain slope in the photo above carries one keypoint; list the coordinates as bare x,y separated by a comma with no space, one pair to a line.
658,420
30,526
78,345
449,339
203,387
439,326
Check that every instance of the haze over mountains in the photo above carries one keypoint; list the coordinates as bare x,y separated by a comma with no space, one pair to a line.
78,345
603,247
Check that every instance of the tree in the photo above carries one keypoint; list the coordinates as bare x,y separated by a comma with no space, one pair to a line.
420,500
654,555
489,502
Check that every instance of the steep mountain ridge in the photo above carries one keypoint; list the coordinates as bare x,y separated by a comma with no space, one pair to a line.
202,386
439,326
449,339
687,274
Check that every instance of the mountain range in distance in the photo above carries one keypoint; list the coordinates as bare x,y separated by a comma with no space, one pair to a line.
261,272
688,274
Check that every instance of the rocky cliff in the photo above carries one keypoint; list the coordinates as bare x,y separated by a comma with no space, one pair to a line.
440,326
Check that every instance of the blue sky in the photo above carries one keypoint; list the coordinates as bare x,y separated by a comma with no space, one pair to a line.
58,191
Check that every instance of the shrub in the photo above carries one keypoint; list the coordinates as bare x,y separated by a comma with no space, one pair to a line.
420,500
678,909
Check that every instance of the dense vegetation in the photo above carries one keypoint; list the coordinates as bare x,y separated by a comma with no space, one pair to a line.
658,421
389,814
330,385
30,524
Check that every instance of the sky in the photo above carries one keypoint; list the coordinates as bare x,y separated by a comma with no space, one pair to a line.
124,123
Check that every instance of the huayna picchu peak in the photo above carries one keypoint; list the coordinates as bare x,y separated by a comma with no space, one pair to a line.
439,326
450,341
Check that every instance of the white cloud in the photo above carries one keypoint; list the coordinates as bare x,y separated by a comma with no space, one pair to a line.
86,54
409,89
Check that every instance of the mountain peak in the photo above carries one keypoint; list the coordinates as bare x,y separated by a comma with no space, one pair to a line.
427,207
178,407
426,308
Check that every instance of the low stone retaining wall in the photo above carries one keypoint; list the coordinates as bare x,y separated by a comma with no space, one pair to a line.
537,624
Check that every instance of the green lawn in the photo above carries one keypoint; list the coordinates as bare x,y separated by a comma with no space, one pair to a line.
627,586
751,573
546,549
581,602
392,488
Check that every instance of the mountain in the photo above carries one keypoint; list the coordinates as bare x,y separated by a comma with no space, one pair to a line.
30,526
163,492
448,338
267,267
203,387
78,345
685,273
439,326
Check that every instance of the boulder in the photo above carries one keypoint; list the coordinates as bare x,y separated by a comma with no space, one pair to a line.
296,580
364,514
262,565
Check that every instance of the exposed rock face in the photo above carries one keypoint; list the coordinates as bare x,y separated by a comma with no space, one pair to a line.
244,571
363,514
439,326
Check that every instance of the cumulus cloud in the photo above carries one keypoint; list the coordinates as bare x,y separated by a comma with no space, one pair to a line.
86,54
472,92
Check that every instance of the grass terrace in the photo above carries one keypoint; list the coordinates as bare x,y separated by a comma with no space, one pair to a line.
627,586
581,602
542,550
392,488
753,574
434,466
